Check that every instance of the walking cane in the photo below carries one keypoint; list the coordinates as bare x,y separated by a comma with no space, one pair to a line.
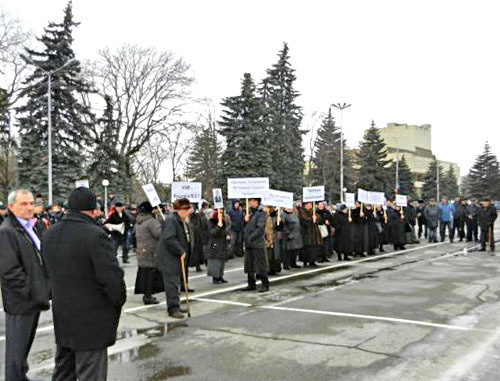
183,269
162,215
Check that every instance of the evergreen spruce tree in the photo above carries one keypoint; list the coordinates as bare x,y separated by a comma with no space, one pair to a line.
326,161
70,118
282,118
449,185
7,148
406,184
105,161
484,176
244,131
203,160
429,189
373,166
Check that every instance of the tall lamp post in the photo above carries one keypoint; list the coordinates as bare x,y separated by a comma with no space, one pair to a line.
105,184
341,107
397,163
437,180
49,117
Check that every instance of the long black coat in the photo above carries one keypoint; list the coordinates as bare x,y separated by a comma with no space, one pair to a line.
255,230
198,229
88,287
173,242
25,284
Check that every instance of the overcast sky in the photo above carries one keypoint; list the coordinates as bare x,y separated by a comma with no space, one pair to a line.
400,61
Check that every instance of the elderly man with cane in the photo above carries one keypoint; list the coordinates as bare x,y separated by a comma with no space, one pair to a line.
173,249
487,216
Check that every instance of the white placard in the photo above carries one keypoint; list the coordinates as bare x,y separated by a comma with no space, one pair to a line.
151,194
350,200
376,198
191,191
401,200
247,187
310,194
278,198
82,183
362,196
218,200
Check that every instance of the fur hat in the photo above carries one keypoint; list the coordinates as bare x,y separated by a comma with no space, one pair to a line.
182,204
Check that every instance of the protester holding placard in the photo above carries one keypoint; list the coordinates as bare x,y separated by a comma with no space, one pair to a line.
218,252
292,238
313,243
236,215
359,233
325,230
256,261
343,245
198,225
371,229
381,224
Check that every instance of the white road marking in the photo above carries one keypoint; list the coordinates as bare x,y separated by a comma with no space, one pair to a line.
371,317
239,304
277,279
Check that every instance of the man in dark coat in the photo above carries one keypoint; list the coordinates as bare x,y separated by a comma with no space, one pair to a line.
471,216
119,234
174,246
422,227
25,284
459,218
88,290
3,213
431,215
256,261
487,216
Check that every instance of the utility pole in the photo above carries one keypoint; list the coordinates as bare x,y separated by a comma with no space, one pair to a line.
341,107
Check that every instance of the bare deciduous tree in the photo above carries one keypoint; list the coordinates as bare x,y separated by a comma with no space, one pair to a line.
149,89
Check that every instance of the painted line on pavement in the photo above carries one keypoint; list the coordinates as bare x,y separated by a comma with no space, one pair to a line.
371,317
239,304
272,280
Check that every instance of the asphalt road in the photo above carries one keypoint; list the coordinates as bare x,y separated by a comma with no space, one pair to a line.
428,313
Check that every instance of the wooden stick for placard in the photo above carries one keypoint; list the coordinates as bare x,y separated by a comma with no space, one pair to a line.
248,207
349,214
314,207
219,215
278,219
402,212
161,212
374,210
490,236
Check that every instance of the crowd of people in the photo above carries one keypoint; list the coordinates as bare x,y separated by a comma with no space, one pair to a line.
69,252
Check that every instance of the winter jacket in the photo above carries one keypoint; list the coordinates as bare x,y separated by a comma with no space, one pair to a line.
431,214
472,211
293,232
23,272
236,220
487,216
173,243
147,232
217,244
88,287
446,212
310,230
459,211
255,229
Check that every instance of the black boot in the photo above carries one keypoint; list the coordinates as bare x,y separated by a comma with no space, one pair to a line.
381,249
251,283
216,280
265,284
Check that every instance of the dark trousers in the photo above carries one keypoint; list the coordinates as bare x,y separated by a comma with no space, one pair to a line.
459,228
422,228
236,246
442,229
472,230
81,365
19,335
290,258
172,291
431,231
256,261
122,241
486,239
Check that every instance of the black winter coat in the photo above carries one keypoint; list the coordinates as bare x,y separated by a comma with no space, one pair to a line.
23,272
487,216
88,287
217,244
255,230
173,242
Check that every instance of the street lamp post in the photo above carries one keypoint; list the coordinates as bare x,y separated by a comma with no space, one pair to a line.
105,184
49,118
341,107
437,180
